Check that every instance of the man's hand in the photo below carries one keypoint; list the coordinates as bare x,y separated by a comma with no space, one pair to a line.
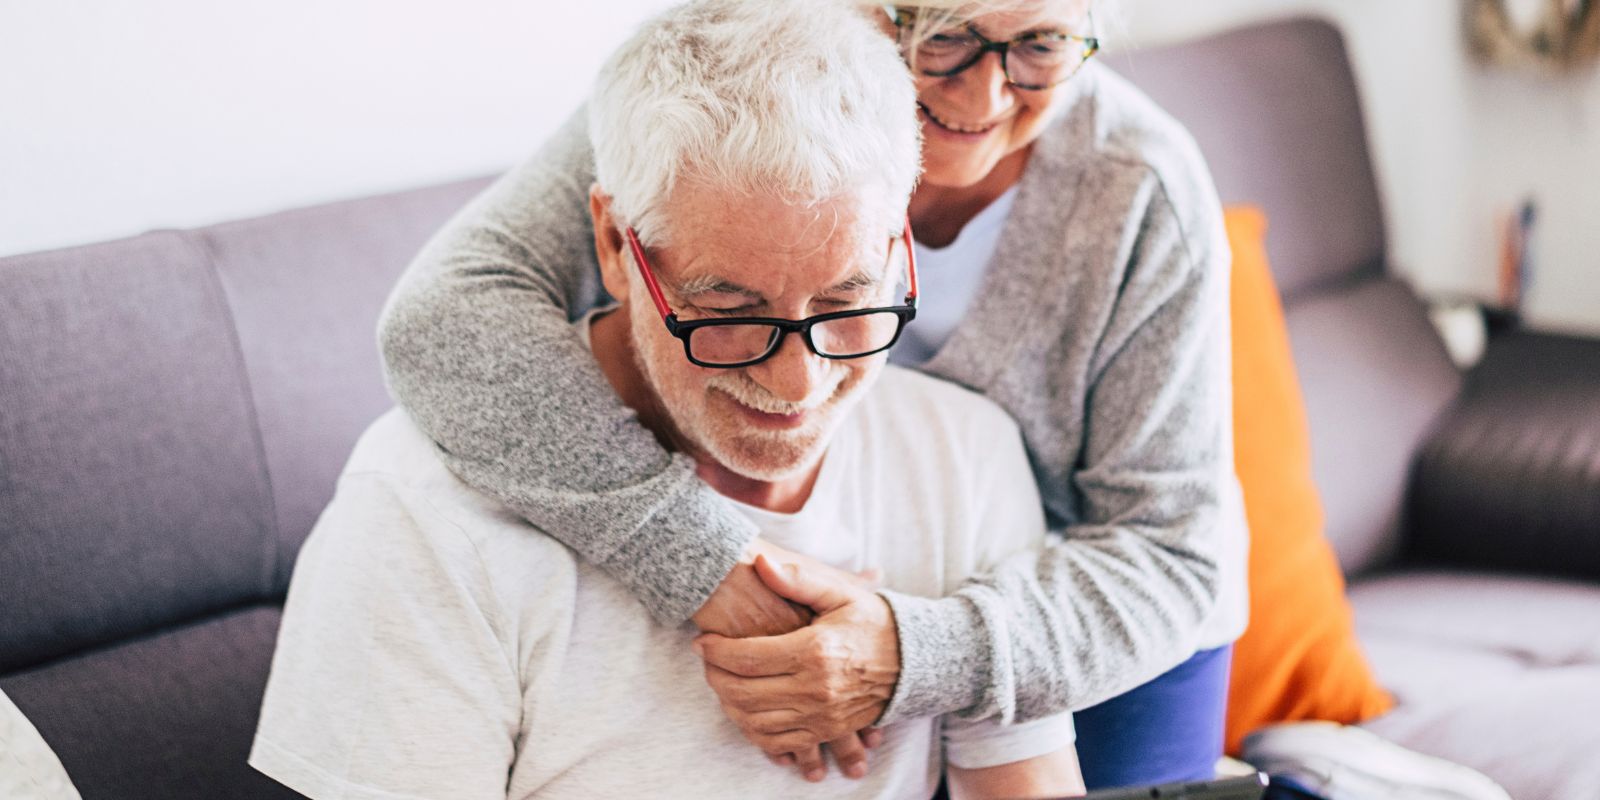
743,606
822,683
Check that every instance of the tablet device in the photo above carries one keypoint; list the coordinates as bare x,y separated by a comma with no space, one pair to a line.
1247,787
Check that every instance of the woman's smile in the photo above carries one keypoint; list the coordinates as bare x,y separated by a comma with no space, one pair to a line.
963,129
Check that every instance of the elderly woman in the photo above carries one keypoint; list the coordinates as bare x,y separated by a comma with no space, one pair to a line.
1074,271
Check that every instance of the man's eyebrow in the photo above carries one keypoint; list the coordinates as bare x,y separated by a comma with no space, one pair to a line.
860,280
706,284
709,284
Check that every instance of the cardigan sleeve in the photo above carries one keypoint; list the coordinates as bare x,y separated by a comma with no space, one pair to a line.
479,349
1123,592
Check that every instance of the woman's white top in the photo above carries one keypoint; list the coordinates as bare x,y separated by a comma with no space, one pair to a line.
948,279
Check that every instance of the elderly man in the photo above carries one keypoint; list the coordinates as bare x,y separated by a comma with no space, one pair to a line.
750,219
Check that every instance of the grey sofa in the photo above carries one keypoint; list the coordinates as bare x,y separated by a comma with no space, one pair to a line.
174,409
1465,510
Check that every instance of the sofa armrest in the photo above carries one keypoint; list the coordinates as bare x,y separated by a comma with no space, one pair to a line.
1510,480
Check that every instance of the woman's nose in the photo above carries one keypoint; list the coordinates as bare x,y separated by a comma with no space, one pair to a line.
982,89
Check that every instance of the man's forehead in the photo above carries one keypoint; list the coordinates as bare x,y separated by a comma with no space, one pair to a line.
772,222
766,244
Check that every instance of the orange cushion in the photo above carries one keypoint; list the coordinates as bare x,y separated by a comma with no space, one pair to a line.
1299,659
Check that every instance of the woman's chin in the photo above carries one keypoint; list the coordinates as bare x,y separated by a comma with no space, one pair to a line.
957,174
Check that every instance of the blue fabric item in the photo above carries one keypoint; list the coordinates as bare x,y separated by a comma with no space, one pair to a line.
1169,729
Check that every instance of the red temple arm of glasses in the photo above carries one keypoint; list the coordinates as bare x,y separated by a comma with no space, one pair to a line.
911,265
649,277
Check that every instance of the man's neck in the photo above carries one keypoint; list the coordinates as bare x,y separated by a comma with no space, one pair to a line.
612,342
783,497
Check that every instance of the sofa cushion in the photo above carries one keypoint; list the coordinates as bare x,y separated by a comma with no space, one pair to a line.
1376,377
1304,161
1511,482
167,716
305,288
1499,673
1299,659
132,491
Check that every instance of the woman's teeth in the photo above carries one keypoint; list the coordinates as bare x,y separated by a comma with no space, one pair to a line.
953,126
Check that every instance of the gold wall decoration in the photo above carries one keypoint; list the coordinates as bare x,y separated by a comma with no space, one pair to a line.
1565,35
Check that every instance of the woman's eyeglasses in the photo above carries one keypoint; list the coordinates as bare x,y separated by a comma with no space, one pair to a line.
1032,61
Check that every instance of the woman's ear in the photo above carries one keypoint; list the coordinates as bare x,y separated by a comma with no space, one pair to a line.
608,245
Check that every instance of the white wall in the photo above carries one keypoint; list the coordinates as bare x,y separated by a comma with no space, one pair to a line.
1457,145
119,117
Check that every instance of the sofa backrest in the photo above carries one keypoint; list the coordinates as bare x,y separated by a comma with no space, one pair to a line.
174,408
1276,112
1277,115
304,289
132,492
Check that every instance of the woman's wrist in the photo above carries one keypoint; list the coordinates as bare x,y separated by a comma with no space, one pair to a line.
677,559
945,656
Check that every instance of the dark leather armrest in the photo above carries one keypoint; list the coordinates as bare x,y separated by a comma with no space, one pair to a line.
1510,480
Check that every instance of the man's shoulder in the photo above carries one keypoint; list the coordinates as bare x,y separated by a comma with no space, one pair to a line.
395,475
395,452
393,445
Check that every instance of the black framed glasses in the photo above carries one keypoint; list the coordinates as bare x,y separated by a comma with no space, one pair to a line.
731,342
1032,61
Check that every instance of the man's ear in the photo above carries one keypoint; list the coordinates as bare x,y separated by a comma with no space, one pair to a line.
609,245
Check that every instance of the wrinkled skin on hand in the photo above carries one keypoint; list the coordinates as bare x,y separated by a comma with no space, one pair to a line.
793,690
742,606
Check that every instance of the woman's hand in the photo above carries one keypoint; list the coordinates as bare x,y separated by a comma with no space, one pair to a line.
743,606
822,683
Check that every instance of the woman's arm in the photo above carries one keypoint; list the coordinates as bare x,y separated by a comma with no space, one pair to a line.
1051,775
1123,593
987,759
479,349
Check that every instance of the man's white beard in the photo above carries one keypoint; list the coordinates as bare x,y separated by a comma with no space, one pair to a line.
772,455
751,452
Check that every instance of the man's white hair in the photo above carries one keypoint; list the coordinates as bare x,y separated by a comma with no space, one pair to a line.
806,100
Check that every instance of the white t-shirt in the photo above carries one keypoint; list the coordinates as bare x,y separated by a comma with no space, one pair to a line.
435,645
28,767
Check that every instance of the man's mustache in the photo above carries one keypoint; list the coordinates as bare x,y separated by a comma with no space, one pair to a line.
744,389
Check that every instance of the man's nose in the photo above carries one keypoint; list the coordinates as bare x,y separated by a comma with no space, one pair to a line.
793,373
982,89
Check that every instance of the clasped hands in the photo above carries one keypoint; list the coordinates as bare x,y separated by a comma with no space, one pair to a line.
801,655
